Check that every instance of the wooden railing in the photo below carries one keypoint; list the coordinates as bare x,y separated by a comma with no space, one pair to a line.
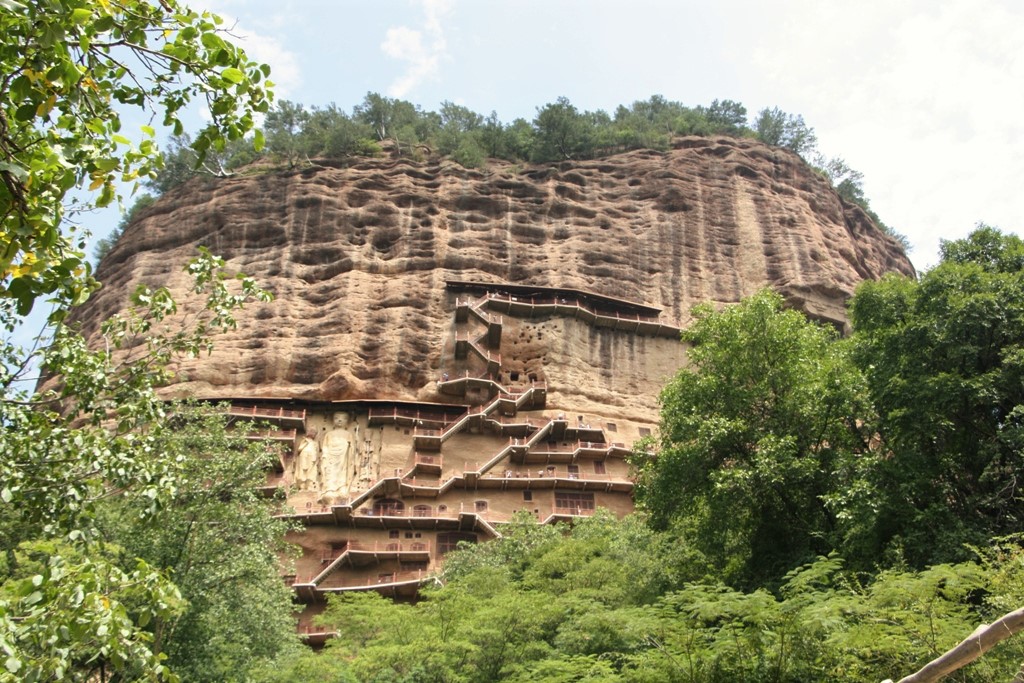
371,582
411,416
390,546
575,511
434,512
267,413
556,474
424,459
272,434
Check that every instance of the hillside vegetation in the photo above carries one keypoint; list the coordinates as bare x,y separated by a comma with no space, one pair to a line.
814,508
295,135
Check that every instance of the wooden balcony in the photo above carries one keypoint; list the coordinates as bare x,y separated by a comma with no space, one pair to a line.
361,552
549,478
574,307
427,439
279,416
314,635
279,435
389,583
563,514
410,417
563,452
424,463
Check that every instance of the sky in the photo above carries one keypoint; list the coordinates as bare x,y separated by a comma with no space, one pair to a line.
924,97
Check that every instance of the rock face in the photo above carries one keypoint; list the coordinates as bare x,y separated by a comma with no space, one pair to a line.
358,258
449,347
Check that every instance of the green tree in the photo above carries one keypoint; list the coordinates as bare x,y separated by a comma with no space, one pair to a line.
393,119
776,127
520,140
726,116
756,434
284,130
92,432
562,132
492,136
181,162
333,134
218,539
944,358
457,123
72,607
65,80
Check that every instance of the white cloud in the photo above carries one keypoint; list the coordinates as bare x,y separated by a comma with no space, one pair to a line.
923,97
284,64
423,49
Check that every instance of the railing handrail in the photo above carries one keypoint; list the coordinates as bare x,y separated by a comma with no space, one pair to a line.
256,411
575,302
271,433
390,546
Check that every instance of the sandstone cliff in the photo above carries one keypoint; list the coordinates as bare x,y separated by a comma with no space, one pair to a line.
359,257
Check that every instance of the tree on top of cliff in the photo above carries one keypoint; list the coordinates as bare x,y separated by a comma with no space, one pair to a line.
776,127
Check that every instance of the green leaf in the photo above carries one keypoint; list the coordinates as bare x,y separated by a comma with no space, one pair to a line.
80,15
233,75
15,170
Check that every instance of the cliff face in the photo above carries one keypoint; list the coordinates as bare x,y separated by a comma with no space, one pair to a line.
449,348
359,257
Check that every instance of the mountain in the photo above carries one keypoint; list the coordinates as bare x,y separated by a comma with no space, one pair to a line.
449,346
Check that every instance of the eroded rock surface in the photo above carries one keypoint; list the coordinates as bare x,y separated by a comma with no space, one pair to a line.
358,258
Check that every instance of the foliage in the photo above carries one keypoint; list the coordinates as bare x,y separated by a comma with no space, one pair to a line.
97,432
181,162
562,132
755,435
566,612
282,129
944,358
94,437
726,117
217,539
849,185
65,82
776,127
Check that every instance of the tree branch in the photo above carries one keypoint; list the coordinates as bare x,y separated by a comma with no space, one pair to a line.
984,638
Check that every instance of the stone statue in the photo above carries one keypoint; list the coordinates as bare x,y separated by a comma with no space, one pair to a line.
307,463
336,460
